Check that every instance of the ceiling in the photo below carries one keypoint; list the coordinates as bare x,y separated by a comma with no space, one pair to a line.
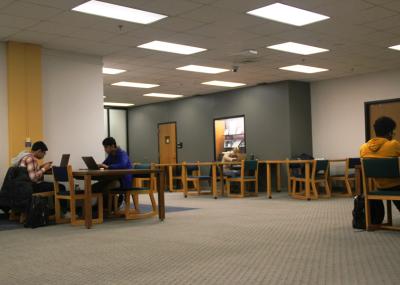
357,35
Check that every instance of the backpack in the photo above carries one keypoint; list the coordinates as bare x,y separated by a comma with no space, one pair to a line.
38,213
377,212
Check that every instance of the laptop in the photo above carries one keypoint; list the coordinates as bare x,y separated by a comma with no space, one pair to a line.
90,163
64,160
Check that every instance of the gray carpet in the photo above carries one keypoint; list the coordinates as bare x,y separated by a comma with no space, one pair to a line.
224,241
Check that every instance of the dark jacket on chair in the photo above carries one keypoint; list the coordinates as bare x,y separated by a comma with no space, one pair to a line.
16,191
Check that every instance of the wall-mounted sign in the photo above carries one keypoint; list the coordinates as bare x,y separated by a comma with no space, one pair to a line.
167,139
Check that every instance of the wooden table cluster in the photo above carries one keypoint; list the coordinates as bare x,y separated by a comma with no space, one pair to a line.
269,165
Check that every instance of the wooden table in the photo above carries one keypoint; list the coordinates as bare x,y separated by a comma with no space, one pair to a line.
87,175
268,164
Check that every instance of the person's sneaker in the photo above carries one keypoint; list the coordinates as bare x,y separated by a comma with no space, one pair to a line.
67,215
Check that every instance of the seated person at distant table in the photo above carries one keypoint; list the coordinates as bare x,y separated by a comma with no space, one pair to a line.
116,159
383,145
230,156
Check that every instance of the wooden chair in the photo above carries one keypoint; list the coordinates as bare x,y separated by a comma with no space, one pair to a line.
348,178
175,174
319,175
145,181
380,168
64,175
248,174
134,192
193,174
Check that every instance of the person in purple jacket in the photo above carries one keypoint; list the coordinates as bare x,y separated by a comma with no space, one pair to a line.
116,159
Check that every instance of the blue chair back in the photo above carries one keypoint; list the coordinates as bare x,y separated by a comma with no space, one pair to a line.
250,167
321,166
191,168
381,167
60,173
142,166
353,162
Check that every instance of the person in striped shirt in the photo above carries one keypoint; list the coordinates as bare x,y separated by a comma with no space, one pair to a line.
30,160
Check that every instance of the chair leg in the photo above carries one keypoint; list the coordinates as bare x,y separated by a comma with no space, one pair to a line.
256,186
348,187
228,187
100,207
314,189
57,209
389,212
242,188
127,204
327,189
294,187
72,205
136,202
153,202
367,215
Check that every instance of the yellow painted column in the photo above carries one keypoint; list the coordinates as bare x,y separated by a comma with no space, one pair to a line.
25,114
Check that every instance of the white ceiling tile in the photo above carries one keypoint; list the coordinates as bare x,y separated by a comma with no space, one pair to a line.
29,10
393,5
92,35
4,3
33,37
16,22
5,32
177,24
53,28
76,19
61,4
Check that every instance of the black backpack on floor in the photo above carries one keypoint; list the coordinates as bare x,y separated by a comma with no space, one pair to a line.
38,213
377,212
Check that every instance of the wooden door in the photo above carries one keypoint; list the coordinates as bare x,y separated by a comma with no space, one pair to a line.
167,143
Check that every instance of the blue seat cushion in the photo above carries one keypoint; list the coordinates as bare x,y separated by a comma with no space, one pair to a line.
124,190
67,193
385,192
200,177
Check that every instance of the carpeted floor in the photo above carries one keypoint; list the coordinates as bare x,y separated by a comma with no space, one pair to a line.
224,241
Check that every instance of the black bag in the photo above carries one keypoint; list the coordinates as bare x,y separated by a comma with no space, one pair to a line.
38,213
377,212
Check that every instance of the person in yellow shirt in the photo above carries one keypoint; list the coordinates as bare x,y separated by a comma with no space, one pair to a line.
383,145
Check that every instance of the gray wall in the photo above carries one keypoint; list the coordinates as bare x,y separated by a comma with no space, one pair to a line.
277,122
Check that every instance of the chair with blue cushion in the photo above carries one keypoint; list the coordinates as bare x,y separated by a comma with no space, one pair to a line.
134,192
63,175
348,178
319,175
144,181
248,174
380,168
193,174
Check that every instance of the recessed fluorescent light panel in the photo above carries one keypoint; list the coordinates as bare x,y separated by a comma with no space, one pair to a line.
135,84
223,83
202,69
395,47
288,14
112,104
107,70
171,47
297,48
303,68
118,12
162,95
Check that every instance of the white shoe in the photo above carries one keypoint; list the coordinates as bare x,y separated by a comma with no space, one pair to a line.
67,215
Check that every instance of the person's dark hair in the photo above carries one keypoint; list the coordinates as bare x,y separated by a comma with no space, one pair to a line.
39,145
110,141
384,126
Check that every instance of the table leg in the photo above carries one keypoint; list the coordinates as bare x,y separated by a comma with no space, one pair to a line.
278,177
184,180
221,175
269,181
307,174
161,198
214,181
170,180
358,180
88,201
289,186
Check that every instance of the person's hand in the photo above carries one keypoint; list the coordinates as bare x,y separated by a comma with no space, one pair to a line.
102,165
47,165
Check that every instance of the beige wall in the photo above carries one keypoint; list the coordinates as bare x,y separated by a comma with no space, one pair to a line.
73,106
3,113
337,105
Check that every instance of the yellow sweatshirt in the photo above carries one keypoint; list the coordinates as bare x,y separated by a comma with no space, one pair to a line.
379,148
